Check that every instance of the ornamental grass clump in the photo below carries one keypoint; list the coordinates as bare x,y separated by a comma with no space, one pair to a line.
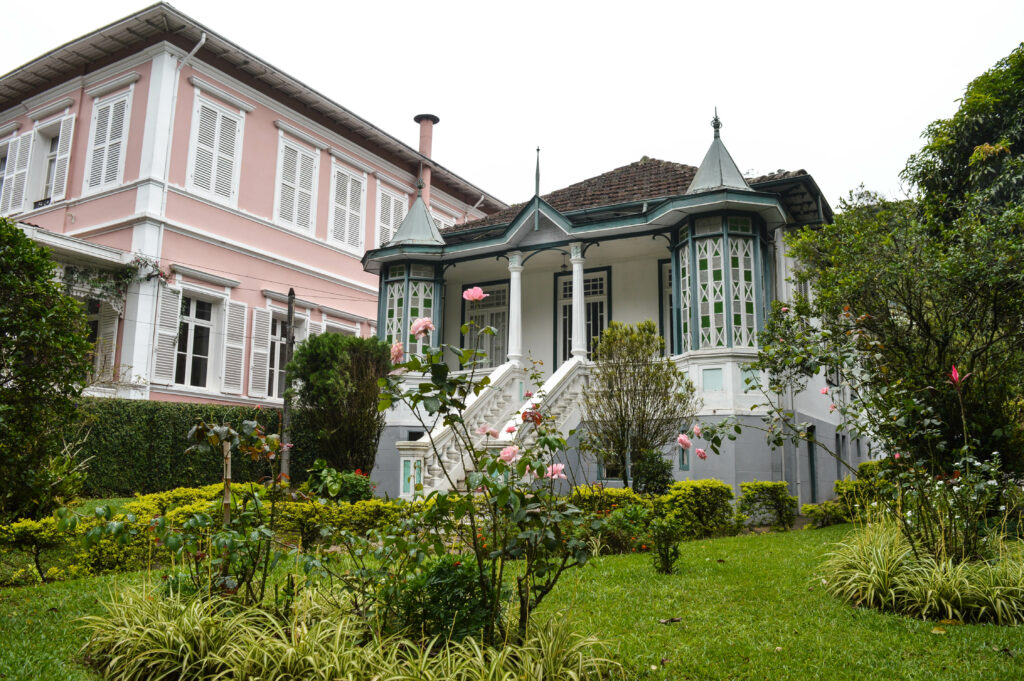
141,637
877,568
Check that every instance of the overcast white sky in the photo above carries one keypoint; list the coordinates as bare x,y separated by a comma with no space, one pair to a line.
843,90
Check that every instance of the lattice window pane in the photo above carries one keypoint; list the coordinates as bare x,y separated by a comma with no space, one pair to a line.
684,296
394,322
711,293
421,304
741,263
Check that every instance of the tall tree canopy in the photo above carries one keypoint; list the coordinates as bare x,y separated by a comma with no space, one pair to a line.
44,361
976,158
938,279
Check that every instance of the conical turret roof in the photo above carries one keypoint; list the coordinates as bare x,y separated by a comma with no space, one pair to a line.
418,228
717,170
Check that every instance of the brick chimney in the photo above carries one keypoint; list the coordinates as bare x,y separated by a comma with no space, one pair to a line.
426,122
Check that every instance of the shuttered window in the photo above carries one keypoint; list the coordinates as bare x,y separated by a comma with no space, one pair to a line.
107,138
390,213
19,151
166,335
216,148
346,220
442,221
296,185
234,347
259,361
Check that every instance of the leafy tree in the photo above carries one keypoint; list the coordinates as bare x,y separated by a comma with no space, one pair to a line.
637,400
336,398
928,296
652,472
45,357
976,158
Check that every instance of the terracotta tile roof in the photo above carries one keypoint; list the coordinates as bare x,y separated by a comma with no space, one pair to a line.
646,179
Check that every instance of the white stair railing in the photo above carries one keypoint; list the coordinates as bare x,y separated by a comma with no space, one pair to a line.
441,452
561,397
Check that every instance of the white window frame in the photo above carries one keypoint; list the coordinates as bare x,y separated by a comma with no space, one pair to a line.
441,219
5,146
415,476
395,195
190,185
98,102
35,183
342,244
216,349
282,142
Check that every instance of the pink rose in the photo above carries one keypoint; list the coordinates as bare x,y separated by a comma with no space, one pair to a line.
683,441
397,352
509,454
510,429
475,294
831,408
701,454
896,455
555,471
696,430
824,391
784,309
421,327
528,394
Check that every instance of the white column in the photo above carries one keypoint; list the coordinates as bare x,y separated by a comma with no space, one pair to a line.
138,338
515,307
579,313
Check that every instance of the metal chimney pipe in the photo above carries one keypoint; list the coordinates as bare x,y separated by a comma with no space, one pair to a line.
426,122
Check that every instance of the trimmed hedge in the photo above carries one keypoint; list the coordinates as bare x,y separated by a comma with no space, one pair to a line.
824,514
600,500
138,446
703,508
768,503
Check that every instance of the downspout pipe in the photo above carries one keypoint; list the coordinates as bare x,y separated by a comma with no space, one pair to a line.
170,126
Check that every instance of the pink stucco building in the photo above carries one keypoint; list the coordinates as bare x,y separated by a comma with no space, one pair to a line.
156,143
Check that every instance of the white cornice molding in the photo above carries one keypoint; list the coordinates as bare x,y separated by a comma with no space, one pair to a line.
205,276
13,126
115,84
299,135
394,184
223,95
341,314
52,108
351,160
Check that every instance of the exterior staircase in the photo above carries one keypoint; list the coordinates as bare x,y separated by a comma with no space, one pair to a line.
500,404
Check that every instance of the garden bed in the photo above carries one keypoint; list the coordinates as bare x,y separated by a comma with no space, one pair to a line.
751,607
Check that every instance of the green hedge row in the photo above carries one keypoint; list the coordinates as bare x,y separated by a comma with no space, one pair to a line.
138,446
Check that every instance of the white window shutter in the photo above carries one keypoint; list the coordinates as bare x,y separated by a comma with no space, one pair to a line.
205,150
297,173
60,174
19,151
315,328
259,363
301,330
166,335
227,150
106,344
234,346
347,210
391,212
109,124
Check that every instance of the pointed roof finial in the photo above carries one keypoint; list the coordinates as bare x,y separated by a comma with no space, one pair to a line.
536,189
419,188
716,123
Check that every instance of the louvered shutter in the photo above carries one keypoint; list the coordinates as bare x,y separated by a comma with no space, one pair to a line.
108,128
295,193
347,221
205,149
234,347
106,343
259,363
301,330
315,328
166,335
227,150
18,153
60,173
392,212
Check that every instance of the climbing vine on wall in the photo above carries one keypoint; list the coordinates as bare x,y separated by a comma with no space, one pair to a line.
109,285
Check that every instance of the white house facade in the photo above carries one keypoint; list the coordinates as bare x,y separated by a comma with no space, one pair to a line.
697,250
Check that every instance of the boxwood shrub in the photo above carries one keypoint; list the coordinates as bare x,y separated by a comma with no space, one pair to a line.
138,446
768,503
703,508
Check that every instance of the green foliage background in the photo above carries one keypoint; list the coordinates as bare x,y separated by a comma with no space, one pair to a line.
138,446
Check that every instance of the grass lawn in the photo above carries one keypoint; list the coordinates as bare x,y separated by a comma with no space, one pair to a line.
751,608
